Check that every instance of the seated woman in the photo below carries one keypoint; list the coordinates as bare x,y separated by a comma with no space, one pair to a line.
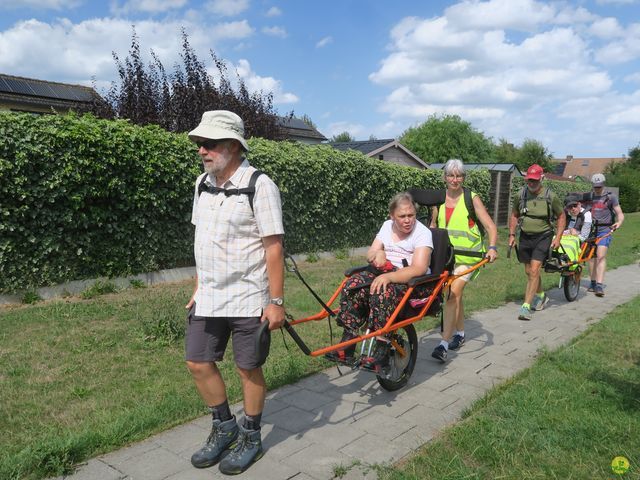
401,241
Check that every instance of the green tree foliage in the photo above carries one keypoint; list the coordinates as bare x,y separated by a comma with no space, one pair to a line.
533,151
342,137
448,136
506,152
307,120
626,176
146,94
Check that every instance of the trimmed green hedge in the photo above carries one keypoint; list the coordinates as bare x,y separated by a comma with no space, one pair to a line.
82,197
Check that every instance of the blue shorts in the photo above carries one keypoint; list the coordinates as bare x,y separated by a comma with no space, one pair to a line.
605,242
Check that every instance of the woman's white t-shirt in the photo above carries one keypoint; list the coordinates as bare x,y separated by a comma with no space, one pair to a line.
397,251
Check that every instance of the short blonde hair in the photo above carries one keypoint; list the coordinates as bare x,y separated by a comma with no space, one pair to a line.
402,197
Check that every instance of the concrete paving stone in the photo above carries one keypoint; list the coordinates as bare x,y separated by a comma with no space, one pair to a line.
197,474
343,411
155,464
131,451
318,461
397,407
279,443
294,419
306,399
334,435
203,422
179,439
94,469
320,382
429,419
373,451
273,405
385,426
282,392
431,398
267,468
351,381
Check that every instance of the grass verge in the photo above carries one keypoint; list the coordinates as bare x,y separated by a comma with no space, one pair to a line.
83,376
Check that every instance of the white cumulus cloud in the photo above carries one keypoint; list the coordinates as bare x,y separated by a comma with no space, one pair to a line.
147,6
275,32
257,83
75,52
227,8
324,42
39,4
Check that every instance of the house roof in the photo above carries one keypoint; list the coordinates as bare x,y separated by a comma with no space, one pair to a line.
371,148
364,146
495,167
295,127
584,167
25,92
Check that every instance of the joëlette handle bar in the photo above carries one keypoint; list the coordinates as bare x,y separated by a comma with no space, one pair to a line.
391,325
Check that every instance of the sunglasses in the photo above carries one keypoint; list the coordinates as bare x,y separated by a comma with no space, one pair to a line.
531,180
208,144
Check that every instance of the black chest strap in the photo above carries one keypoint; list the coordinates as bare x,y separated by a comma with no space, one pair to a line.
249,191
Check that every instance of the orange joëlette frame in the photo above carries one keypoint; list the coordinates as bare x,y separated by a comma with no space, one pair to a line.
442,281
588,249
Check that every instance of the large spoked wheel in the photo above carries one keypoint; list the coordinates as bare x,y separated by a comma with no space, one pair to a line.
572,284
400,368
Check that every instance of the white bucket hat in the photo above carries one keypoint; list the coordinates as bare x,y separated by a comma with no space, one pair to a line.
219,125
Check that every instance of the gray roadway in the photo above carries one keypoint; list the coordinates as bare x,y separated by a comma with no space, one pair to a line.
328,420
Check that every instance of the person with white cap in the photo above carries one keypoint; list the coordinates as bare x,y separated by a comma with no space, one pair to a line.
532,214
607,216
239,256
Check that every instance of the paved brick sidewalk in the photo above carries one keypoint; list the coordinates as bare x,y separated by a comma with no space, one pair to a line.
327,420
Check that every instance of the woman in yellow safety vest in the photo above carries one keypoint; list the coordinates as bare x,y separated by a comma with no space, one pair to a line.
467,241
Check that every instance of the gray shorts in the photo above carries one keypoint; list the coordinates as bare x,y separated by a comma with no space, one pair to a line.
206,339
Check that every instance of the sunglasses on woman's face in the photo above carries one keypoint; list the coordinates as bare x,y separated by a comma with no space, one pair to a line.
208,144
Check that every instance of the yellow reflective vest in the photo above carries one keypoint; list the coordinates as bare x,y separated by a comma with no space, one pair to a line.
462,237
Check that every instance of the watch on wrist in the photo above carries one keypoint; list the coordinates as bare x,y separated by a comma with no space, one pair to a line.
279,301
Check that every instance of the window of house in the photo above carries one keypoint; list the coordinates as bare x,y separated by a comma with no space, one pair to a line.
585,163
380,156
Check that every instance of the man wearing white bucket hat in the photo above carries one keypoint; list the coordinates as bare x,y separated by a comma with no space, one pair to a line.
239,284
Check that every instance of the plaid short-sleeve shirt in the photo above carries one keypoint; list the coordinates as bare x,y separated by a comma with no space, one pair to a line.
230,257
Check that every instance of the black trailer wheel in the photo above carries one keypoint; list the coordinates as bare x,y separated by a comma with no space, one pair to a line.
397,373
571,284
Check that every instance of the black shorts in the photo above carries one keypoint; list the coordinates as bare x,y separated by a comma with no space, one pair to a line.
534,247
206,339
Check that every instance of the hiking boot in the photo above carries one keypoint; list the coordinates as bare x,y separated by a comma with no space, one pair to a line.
592,286
344,355
379,358
222,437
247,451
525,313
456,342
440,353
599,290
539,302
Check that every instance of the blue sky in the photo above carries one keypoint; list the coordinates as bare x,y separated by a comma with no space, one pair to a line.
564,73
